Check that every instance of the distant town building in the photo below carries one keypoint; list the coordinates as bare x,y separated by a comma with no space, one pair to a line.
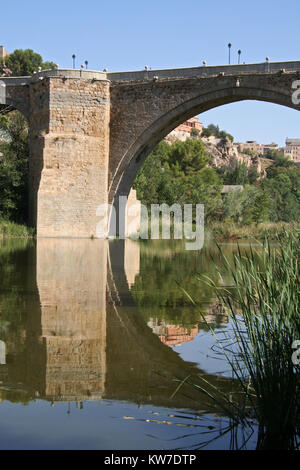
189,125
292,149
3,53
255,147
184,130
172,335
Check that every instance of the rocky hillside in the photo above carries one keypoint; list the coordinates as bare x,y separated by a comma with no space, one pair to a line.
223,152
5,71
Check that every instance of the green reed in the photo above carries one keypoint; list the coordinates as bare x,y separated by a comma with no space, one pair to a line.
13,230
264,304
263,301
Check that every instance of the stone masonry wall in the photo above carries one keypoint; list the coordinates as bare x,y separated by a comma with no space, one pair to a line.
70,153
71,279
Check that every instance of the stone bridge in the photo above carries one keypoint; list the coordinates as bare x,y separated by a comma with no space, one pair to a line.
90,132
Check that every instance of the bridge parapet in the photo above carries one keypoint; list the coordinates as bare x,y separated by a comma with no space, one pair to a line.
206,71
184,72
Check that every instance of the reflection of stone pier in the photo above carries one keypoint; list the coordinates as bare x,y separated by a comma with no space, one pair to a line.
71,279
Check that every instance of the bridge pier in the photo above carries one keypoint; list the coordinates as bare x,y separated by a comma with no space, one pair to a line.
69,144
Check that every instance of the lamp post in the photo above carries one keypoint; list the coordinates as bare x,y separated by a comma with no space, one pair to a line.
73,57
229,47
86,64
239,55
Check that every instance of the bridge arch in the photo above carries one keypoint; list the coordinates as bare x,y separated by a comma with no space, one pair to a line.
137,153
12,105
14,95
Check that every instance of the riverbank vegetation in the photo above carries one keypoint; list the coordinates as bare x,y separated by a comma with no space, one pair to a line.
230,231
14,151
263,303
14,156
183,173
24,62
13,230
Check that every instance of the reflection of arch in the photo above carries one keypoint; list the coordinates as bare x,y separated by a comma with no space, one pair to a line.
140,368
85,339
136,154
2,352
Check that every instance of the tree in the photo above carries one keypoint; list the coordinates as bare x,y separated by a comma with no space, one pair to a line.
195,133
246,206
248,152
179,173
284,196
14,168
274,154
224,136
212,129
25,62
240,174
184,158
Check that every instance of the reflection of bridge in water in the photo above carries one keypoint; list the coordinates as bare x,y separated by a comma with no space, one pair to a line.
84,337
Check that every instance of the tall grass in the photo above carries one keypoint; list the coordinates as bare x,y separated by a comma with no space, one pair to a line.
264,304
13,230
263,301
226,230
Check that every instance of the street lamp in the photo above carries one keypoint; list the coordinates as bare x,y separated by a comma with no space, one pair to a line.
73,57
229,47
86,64
239,54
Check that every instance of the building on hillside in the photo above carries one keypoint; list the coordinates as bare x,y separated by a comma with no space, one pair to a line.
172,335
268,147
184,130
255,147
190,124
292,149
251,145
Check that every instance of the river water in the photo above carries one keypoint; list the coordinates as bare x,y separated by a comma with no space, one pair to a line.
96,336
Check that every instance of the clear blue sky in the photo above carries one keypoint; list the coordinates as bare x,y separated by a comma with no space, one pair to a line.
129,34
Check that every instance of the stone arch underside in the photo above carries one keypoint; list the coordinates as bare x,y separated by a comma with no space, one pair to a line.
17,99
137,153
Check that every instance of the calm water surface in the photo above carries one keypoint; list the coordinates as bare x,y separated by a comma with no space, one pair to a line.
94,337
